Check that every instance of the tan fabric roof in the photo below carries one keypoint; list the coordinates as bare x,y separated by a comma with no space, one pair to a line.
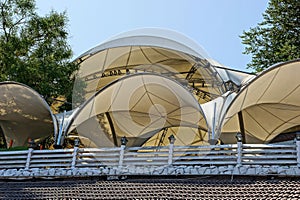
137,106
151,83
111,64
269,104
24,114
158,37
169,53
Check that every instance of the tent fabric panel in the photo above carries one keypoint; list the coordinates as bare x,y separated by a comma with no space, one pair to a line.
93,65
238,105
282,86
22,107
134,51
154,37
270,103
137,57
116,57
134,109
94,134
257,89
265,118
237,77
292,98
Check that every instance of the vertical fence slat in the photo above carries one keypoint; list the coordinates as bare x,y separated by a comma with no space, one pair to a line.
298,148
170,156
121,158
74,157
171,149
29,154
239,153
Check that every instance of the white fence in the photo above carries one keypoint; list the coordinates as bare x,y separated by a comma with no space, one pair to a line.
213,155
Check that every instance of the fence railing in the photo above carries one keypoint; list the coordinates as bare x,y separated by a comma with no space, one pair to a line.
217,155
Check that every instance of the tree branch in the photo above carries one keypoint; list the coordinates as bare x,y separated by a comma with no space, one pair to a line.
6,34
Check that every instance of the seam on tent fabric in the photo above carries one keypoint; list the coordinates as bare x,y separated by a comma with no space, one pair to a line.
116,94
138,101
104,62
256,121
290,93
140,47
261,107
269,85
128,57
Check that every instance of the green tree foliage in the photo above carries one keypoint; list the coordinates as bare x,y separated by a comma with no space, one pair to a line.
34,49
277,37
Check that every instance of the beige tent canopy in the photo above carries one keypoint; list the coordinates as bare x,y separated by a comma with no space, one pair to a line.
137,106
150,50
148,84
155,51
267,106
231,100
24,114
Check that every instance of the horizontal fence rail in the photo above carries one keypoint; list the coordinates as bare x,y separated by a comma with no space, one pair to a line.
205,155
93,157
269,154
216,155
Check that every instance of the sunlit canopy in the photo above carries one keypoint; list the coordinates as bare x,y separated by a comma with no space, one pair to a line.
156,51
136,106
151,50
269,105
24,114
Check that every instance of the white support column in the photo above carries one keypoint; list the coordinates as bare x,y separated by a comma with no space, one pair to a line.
298,148
213,130
239,149
171,149
60,137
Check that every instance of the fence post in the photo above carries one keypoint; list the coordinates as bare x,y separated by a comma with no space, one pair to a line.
239,138
122,150
171,149
31,146
298,148
75,152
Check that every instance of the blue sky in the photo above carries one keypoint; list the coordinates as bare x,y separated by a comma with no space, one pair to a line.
213,24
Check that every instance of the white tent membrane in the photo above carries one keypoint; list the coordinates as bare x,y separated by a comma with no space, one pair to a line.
268,105
215,111
237,77
136,106
24,114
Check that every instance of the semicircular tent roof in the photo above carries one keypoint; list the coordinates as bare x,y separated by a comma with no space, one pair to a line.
149,50
24,114
151,37
269,105
137,106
